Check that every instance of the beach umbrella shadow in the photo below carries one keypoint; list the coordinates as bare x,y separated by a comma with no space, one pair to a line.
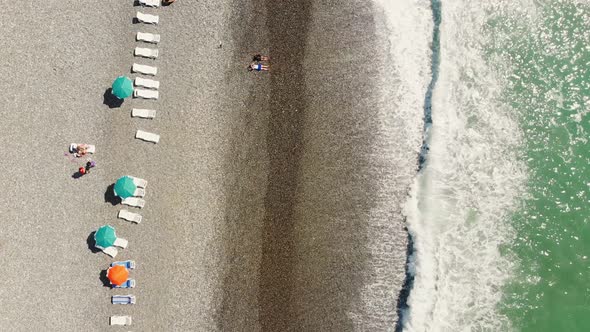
110,197
110,100
91,244
104,278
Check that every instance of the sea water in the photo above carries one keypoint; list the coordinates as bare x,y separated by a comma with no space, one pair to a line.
499,211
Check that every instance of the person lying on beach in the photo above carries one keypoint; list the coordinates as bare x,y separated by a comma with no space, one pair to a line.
81,150
257,67
167,2
258,58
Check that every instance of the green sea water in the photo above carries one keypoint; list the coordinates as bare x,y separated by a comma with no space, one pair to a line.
544,49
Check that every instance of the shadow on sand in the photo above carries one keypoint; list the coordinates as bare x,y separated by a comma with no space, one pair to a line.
91,244
104,279
110,100
110,197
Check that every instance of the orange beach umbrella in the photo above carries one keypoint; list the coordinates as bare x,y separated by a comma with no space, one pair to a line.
117,275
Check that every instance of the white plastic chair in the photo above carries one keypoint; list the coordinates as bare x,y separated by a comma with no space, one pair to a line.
139,182
121,243
147,83
148,37
146,52
130,216
150,3
143,69
120,320
111,251
134,201
148,137
146,94
147,18
143,113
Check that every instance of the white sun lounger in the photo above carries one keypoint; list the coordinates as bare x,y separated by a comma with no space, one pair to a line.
146,52
147,83
122,243
130,283
148,37
143,69
139,182
134,201
139,192
149,137
128,264
146,94
120,320
123,299
143,113
150,3
147,18
111,251
130,216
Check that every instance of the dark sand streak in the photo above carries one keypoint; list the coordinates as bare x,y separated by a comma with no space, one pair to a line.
287,27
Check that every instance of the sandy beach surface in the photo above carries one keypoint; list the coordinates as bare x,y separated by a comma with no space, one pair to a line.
274,200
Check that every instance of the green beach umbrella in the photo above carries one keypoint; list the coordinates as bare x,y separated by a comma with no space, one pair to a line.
122,87
124,187
105,237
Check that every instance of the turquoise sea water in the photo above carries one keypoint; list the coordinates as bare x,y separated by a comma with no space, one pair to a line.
547,51
500,211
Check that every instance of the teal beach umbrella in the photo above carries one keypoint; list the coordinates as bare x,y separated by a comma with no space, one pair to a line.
105,237
124,187
122,87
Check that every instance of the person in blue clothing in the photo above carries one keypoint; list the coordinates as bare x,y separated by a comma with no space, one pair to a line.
257,66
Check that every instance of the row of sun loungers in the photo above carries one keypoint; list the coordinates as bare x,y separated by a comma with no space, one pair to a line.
145,89
123,299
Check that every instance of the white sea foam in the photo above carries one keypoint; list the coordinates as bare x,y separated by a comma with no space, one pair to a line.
460,206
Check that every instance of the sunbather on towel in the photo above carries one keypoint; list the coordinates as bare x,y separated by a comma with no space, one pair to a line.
260,57
81,150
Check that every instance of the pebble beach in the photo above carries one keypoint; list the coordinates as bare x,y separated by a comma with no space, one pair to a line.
274,200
